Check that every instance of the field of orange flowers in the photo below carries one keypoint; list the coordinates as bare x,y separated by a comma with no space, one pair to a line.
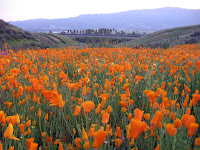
100,98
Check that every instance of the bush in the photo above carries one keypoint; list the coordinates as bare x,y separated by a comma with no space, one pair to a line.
195,34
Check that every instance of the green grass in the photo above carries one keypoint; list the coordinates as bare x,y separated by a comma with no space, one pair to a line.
167,38
19,39
55,39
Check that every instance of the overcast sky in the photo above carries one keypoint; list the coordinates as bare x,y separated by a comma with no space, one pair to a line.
13,10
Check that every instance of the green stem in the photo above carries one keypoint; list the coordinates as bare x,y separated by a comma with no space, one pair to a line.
174,142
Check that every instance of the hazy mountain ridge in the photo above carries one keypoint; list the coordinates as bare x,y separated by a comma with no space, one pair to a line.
138,20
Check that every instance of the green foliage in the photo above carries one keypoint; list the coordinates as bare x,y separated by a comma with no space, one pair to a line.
167,38
100,41
19,39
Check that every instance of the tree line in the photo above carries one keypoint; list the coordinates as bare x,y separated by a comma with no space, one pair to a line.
101,32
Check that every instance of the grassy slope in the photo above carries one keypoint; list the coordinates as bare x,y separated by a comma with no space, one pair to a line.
19,39
55,40
167,38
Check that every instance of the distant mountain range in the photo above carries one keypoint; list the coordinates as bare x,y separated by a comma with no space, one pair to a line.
133,20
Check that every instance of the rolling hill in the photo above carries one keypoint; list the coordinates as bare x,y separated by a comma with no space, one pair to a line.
19,39
167,38
16,38
133,20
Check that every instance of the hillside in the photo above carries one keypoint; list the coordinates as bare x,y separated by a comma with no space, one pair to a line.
16,38
167,38
134,20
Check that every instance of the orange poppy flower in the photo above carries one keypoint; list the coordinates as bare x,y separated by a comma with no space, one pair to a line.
146,92
138,114
137,127
113,80
28,123
188,111
128,94
145,68
183,93
172,115
147,116
43,134
165,101
99,138
1,146
171,130
33,146
196,98
98,109
15,71
85,137
156,118
172,104
17,119
91,132
152,96
164,94
186,88
88,106
163,85
2,117
29,131
20,91
177,123
84,90
156,105
71,85
29,141
21,128
86,145
120,79
118,129
105,118
96,85
109,109
157,147
118,142
158,92
39,112
11,119
77,110
192,128
104,98
175,90
187,120
56,100
186,101
34,97
35,83
8,104
11,148
187,78
47,117
77,142
9,132
197,141
130,116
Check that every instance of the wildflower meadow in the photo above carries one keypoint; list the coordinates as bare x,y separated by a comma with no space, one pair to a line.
100,98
